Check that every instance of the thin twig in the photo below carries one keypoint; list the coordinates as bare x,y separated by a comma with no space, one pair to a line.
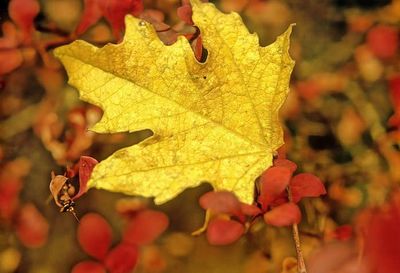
301,265
205,224
74,214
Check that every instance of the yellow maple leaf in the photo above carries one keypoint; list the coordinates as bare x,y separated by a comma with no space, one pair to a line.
215,121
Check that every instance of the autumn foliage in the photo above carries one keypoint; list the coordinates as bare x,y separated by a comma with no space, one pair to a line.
95,237
276,203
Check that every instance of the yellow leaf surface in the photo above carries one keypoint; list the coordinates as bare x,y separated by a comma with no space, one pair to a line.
215,121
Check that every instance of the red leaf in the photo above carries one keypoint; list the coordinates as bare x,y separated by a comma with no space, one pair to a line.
32,228
394,120
23,12
94,235
122,259
273,182
224,232
88,267
308,89
136,7
86,165
113,10
283,215
198,48
343,233
185,13
285,163
250,210
9,197
382,238
9,39
145,227
383,41
10,60
220,202
306,185
281,199
394,88
91,14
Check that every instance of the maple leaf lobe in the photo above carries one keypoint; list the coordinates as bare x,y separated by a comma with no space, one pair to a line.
215,121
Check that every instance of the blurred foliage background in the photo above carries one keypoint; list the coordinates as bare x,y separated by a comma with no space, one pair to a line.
341,124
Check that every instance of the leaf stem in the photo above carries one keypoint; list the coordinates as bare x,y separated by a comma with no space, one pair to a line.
205,224
301,265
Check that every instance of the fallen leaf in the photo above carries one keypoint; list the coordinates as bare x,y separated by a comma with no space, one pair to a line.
215,121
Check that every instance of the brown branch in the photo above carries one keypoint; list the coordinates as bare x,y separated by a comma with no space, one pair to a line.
301,265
